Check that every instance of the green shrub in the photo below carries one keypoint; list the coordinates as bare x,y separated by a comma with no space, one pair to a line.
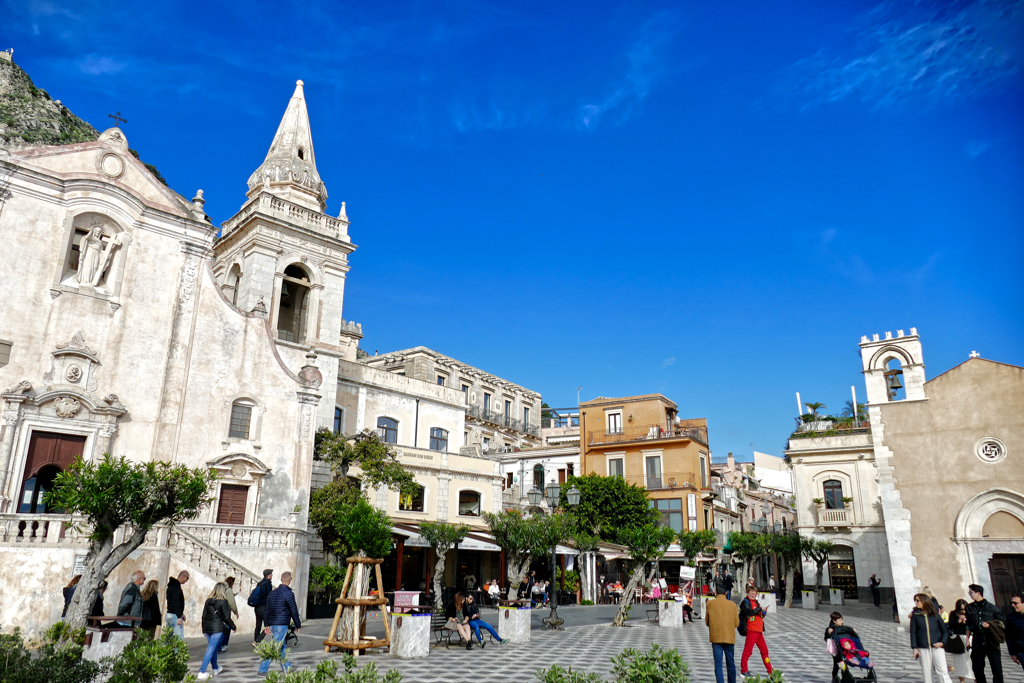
145,660
557,674
584,601
776,677
657,665
58,658
327,671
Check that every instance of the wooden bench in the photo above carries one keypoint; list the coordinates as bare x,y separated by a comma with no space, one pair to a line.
655,613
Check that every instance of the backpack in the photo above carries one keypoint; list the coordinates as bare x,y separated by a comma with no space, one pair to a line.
255,596
742,628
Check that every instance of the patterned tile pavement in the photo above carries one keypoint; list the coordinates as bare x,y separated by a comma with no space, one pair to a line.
794,639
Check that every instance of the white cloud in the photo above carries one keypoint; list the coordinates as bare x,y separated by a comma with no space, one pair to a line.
668,361
926,51
96,65
976,148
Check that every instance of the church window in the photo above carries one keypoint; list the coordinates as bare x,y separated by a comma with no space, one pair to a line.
233,283
302,153
293,310
5,352
241,418
833,495
469,503
387,429
438,439
339,420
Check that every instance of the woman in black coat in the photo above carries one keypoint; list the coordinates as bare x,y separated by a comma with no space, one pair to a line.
928,635
216,620
69,592
151,607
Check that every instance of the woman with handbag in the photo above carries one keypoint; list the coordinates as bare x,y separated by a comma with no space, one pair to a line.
928,636
956,646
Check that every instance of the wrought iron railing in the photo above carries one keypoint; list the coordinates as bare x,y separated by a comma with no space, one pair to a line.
664,480
647,432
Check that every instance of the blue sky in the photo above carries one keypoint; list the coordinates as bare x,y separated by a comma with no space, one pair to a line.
712,202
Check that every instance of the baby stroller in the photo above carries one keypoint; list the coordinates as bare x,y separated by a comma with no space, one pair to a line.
853,657
291,639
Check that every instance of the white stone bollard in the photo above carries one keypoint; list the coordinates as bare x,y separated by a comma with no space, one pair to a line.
810,599
514,624
702,605
96,648
835,596
768,602
670,614
410,635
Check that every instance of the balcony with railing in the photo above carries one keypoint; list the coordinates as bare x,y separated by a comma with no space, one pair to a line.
835,517
665,480
647,433
501,420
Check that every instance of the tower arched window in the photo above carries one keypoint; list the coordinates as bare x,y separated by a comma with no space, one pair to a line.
293,308
387,429
894,383
232,283
833,489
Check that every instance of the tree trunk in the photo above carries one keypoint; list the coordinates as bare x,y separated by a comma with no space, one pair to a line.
101,559
819,571
438,575
627,594
517,569
359,587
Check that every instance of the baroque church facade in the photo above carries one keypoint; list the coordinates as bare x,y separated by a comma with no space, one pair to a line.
142,332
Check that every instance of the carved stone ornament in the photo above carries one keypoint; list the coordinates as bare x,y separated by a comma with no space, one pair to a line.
113,401
238,471
78,343
990,449
67,407
188,278
111,165
74,373
19,388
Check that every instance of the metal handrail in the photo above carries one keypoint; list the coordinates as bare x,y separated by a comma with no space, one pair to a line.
648,432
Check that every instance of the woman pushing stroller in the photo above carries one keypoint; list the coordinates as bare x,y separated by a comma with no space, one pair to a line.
845,647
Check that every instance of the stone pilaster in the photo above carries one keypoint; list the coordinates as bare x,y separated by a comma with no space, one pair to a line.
443,482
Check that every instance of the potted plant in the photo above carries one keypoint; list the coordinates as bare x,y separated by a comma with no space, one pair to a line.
818,501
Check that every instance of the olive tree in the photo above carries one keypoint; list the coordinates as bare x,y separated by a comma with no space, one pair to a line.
519,537
817,552
111,493
646,544
442,537
789,547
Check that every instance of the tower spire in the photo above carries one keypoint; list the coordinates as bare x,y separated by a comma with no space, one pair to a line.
289,170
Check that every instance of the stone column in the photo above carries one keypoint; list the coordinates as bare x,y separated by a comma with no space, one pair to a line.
10,424
104,439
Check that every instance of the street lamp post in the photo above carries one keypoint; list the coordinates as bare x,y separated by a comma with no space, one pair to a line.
552,492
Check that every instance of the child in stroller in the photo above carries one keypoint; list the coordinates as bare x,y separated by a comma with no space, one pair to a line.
847,652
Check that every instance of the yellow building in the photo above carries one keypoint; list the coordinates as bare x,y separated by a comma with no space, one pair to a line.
642,439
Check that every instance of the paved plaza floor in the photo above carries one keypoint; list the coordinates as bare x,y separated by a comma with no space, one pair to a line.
794,638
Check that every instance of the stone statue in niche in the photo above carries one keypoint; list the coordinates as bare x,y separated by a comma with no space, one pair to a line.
92,253
115,242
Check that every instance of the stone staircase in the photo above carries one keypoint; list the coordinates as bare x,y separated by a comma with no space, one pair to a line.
188,547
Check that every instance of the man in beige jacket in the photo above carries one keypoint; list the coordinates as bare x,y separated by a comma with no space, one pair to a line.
722,618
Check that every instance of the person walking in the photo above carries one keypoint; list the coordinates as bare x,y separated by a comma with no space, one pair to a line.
229,595
771,583
876,594
728,582
752,615
928,636
472,618
97,606
280,612
1015,629
69,592
956,645
175,617
130,604
151,607
981,616
722,619
258,601
216,620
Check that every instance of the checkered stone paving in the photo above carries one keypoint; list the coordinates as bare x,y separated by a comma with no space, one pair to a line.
794,639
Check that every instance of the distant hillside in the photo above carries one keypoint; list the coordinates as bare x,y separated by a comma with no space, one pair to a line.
30,115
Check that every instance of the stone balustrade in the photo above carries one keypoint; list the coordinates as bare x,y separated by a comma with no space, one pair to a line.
39,530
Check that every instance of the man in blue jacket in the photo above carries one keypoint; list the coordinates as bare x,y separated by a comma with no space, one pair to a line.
1015,629
258,601
280,611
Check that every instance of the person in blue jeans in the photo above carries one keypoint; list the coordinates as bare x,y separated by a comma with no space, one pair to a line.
280,611
216,620
471,613
722,618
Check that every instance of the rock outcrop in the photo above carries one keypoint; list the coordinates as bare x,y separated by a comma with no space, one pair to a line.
28,115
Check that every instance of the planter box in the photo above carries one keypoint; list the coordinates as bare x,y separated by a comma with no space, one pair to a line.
768,602
514,623
410,635
809,599
670,614
835,596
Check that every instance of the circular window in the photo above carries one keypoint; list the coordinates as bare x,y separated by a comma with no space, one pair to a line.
990,449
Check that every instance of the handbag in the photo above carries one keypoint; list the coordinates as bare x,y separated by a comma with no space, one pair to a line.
831,646
955,645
